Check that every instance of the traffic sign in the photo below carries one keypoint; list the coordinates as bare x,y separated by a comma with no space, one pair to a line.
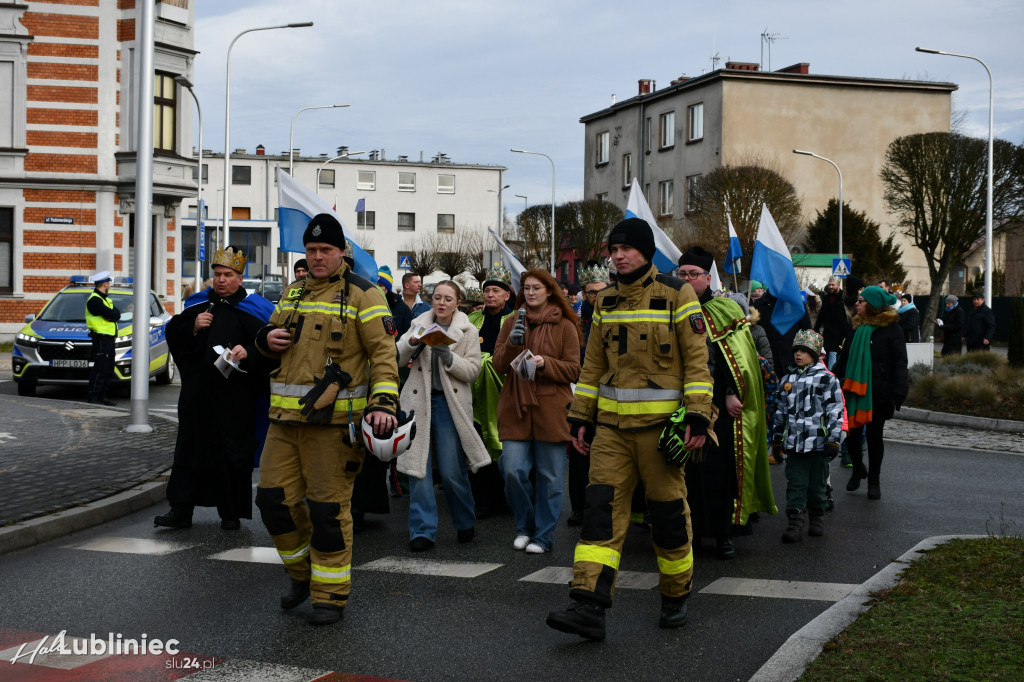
841,267
405,263
202,241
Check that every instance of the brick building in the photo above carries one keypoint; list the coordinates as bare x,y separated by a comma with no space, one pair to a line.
69,69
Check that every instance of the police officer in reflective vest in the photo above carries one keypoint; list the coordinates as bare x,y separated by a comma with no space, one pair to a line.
332,332
101,318
646,369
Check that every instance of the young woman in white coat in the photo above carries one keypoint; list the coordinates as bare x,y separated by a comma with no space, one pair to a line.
439,389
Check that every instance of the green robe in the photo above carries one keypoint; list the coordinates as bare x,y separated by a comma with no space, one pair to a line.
753,480
486,390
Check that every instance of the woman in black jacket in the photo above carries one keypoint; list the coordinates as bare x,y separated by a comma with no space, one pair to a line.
910,319
873,371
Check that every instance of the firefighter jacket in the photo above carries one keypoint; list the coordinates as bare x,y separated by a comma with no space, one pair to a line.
342,319
646,354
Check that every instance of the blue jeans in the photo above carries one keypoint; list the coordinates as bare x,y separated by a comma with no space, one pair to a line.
517,458
446,452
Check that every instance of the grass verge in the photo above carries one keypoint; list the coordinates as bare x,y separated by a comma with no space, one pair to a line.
956,614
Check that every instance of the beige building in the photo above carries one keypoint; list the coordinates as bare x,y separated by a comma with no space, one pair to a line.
668,139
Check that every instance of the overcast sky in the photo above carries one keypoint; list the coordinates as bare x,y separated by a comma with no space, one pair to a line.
474,78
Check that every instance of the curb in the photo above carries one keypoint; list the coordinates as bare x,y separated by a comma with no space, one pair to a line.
804,645
915,414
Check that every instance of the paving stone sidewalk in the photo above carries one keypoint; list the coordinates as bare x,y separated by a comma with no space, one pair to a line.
953,436
58,454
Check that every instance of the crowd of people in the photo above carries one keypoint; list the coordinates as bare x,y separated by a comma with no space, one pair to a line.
656,400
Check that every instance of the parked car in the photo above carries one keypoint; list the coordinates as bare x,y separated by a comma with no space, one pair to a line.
54,347
270,288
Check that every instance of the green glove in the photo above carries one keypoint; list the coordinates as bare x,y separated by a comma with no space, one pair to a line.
672,441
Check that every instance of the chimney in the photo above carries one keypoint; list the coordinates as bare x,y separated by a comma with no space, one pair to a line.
613,99
260,150
681,79
802,67
743,66
342,150
646,86
240,150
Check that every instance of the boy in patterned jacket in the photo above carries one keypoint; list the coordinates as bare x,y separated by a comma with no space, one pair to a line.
808,426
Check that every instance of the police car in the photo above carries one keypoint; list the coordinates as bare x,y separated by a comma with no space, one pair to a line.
55,348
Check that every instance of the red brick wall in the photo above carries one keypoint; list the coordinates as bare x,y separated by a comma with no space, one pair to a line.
63,25
170,266
63,163
170,245
64,261
118,239
78,238
61,93
85,216
63,72
42,138
61,50
125,30
170,288
44,285
169,305
88,3
117,262
13,310
60,195
62,117
170,226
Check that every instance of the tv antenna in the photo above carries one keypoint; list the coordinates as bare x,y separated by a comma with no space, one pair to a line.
769,38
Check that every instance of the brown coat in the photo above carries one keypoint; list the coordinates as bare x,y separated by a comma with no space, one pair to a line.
544,421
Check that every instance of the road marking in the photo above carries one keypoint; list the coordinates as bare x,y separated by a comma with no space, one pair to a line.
779,589
97,412
449,569
257,555
7,436
53,659
131,546
242,670
561,575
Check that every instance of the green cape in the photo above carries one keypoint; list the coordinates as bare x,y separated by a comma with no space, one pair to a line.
486,389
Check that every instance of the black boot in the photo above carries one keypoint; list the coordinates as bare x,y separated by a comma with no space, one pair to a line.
725,548
176,518
297,593
795,529
325,614
857,475
673,612
582,618
874,471
817,522
874,491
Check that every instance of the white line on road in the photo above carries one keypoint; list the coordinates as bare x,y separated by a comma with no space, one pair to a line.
779,589
449,569
131,546
561,575
258,555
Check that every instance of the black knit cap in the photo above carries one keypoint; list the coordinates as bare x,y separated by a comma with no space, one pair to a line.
301,263
698,256
326,229
634,232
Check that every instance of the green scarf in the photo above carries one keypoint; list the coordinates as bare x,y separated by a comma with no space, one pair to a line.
857,382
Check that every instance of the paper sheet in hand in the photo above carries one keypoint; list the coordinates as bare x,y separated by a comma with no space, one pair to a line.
522,365
224,363
434,335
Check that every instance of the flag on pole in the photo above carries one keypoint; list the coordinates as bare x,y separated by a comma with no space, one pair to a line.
297,206
361,206
732,258
509,260
716,281
772,265
666,254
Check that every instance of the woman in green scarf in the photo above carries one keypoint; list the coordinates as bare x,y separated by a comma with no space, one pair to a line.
873,370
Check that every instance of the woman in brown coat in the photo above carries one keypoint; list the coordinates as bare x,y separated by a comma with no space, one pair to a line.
531,412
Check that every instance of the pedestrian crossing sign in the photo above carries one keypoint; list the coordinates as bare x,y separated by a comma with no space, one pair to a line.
841,267
405,263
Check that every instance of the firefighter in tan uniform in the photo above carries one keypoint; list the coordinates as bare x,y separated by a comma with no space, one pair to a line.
332,333
646,368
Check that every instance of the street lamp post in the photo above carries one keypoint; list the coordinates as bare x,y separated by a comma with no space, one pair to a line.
227,126
324,165
187,84
291,131
523,197
523,151
500,212
988,188
805,153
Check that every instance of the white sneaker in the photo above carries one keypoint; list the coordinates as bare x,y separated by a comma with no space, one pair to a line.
534,548
521,542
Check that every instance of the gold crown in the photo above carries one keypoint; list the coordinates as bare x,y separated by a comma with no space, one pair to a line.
593,275
230,258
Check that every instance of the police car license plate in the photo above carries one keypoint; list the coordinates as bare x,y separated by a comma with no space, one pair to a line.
82,364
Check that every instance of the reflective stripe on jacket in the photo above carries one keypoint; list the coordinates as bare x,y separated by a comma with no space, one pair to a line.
95,323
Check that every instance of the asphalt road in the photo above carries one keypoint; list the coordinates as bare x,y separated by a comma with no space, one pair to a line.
163,398
419,627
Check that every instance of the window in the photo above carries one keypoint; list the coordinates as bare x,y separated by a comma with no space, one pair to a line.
327,177
206,172
366,220
165,91
695,122
601,148
241,213
406,182
445,184
405,260
406,222
627,169
241,175
665,197
446,222
366,180
667,130
6,250
192,211
603,196
691,190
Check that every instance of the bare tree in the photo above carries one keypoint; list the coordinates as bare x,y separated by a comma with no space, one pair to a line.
584,226
531,239
935,186
424,256
739,191
475,248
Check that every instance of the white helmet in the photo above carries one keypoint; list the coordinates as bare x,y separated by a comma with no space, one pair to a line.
389,447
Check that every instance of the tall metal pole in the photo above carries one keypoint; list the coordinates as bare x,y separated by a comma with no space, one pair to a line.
187,84
139,421
988,188
225,227
523,151
291,132
805,153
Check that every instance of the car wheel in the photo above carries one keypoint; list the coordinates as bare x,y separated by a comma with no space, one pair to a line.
167,375
27,388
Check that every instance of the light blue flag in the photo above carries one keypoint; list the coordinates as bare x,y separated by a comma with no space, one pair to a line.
509,260
298,205
666,254
732,258
772,265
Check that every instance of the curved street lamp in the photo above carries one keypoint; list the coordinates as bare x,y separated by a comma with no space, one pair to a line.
291,130
805,153
324,165
523,151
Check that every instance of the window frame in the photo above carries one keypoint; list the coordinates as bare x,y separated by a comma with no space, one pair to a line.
366,186
602,147
206,173
363,224
327,173
627,170
237,169
445,229
666,130
161,105
407,187
399,221
443,189
690,111
691,185
7,236
665,205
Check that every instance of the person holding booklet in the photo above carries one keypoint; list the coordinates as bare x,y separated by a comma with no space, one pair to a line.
444,348
538,351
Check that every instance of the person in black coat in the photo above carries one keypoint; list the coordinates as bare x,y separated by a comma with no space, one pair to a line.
952,323
782,344
833,323
888,382
981,325
910,319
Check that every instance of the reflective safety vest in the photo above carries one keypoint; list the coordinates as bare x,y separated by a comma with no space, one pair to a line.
646,355
97,324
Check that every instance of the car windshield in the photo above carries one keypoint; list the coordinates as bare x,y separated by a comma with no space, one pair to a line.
69,306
